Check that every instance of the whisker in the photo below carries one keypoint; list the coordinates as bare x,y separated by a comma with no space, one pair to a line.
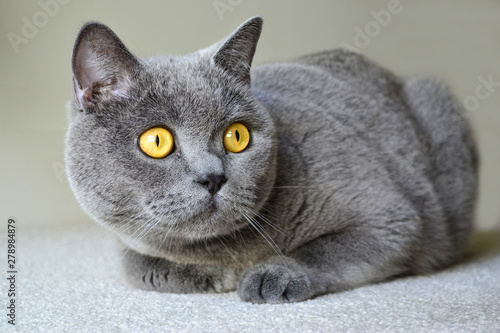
129,223
270,223
125,226
143,229
269,212
268,239
229,251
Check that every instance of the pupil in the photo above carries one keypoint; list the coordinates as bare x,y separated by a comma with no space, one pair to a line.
237,136
157,141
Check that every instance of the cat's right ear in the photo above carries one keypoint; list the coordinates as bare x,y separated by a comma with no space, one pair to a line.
102,66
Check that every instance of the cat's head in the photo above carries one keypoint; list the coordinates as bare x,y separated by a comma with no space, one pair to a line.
168,146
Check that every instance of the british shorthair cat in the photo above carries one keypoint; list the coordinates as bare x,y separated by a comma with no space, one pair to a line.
283,182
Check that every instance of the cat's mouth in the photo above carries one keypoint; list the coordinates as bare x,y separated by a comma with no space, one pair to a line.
210,211
218,217
212,206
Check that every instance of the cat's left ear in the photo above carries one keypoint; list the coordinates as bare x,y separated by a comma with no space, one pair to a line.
237,51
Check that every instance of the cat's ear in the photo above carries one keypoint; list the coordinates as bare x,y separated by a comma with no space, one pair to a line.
102,66
236,53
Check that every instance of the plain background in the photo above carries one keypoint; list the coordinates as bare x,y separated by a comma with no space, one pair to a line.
456,41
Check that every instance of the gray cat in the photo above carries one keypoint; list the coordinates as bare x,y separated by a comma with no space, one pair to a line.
284,182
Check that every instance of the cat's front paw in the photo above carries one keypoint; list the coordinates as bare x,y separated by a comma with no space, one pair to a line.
157,274
267,283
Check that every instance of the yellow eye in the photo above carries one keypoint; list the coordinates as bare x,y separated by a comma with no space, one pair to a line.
236,138
156,142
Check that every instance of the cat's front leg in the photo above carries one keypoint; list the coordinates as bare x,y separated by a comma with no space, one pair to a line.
157,274
328,264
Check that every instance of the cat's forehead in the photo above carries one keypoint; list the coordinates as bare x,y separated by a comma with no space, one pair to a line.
187,91
187,73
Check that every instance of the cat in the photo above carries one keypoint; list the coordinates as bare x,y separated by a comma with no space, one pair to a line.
283,182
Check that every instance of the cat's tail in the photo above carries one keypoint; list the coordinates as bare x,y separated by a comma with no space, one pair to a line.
443,122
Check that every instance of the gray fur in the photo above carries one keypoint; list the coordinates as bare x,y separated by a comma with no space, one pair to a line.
352,175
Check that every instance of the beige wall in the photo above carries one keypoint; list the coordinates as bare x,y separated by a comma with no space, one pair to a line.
458,41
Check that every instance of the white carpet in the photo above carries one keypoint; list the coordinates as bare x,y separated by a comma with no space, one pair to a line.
69,281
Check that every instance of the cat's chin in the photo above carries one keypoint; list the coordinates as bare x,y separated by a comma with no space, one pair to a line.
213,220
211,217
169,237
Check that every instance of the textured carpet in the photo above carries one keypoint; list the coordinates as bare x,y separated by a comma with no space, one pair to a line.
69,281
